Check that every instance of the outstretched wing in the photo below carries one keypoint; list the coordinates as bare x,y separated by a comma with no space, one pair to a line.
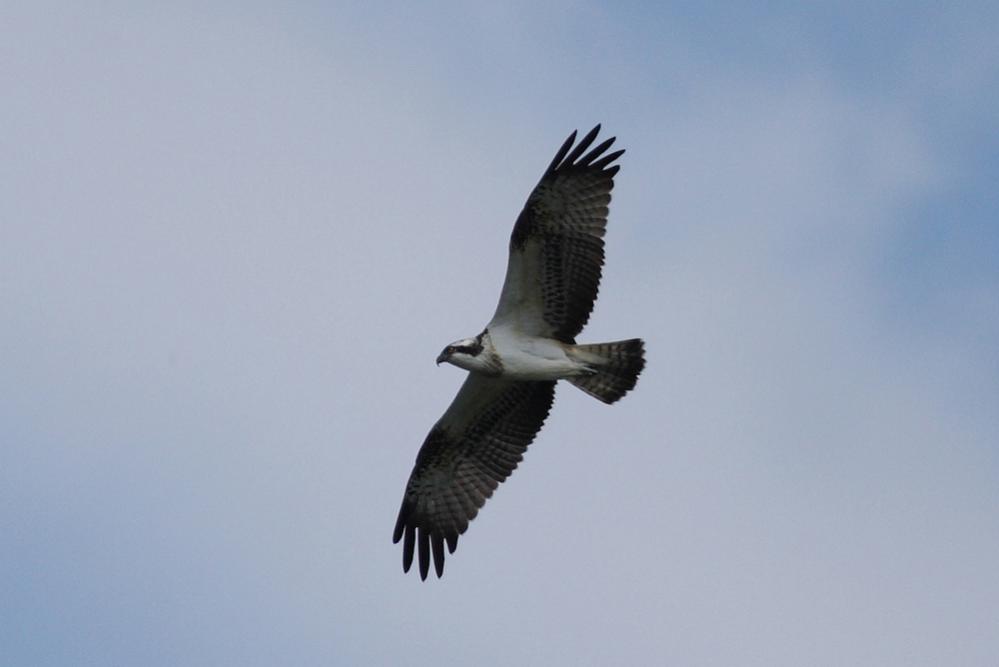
557,247
476,445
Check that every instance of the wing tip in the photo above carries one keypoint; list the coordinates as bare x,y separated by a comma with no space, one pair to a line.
400,523
424,548
437,543
583,144
570,155
561,153
607,159
407,548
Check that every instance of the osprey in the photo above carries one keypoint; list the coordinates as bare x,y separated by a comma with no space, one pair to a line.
552,277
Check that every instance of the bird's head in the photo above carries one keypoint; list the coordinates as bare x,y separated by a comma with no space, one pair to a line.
465,353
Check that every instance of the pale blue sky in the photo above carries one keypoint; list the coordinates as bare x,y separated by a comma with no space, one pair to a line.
233,240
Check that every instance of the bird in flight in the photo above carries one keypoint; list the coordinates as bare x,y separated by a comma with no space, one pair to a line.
552,277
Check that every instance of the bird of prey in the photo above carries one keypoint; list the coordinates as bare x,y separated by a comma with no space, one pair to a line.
552,277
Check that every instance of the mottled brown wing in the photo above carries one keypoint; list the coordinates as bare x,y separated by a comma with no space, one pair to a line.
476,445
557,247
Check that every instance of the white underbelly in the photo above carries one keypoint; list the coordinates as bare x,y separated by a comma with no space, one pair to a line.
534,358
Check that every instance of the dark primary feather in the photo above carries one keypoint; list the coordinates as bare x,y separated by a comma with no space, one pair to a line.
557,246
476,445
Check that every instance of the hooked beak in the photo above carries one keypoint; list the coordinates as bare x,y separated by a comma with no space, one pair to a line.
442,357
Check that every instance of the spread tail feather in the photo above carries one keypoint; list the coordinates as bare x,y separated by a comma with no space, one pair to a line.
616,367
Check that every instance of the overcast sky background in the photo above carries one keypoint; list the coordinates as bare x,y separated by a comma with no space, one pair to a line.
233,239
